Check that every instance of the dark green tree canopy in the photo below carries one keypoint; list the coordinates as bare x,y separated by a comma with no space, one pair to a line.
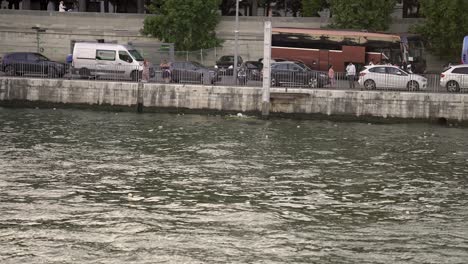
444,27
373,15
189,24
310,8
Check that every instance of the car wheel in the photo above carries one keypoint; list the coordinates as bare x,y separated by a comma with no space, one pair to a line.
369,85
313,83
134,76
453,87
83,72
52,73
273,82
10,70
413,86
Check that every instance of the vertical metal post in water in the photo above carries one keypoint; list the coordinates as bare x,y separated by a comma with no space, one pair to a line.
236,38
140,97
266,70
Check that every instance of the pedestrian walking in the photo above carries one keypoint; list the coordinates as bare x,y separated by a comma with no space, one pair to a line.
331,75
62,7
145,74
351,74
165,71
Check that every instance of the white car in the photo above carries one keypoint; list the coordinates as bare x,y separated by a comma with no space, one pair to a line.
388,76
455,77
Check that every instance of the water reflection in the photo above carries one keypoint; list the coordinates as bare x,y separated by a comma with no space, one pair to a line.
211,189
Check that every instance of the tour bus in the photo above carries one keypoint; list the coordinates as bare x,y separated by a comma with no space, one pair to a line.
464,55
106,60
319,48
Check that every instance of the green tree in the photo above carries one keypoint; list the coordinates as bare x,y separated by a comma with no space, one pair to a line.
189,24
445,25
371,15
310,8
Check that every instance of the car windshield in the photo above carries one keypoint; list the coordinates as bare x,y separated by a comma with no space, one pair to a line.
303,66
136,55
42,57
227,58
197,64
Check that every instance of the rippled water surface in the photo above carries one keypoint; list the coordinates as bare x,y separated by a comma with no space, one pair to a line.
100,187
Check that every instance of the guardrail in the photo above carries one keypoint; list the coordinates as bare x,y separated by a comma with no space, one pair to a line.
246,77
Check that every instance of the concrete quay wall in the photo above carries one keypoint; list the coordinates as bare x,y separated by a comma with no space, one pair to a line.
359,105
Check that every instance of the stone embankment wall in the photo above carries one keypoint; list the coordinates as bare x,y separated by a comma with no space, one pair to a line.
360,105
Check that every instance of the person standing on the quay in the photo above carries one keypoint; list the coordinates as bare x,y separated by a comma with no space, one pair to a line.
165,71
331,75
351,74
62,7
145,74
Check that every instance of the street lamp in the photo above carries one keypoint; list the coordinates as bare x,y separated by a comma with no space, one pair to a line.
236,38
38,40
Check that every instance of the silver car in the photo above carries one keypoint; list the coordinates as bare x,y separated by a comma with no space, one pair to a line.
389,76
455,78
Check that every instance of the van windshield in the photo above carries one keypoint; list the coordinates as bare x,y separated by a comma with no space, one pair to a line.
136,55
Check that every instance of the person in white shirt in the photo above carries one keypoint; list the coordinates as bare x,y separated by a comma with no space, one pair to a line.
62,7
351,74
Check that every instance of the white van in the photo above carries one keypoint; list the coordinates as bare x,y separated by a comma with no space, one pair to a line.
107,60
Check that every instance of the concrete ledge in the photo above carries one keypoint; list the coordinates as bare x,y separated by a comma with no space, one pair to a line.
356,105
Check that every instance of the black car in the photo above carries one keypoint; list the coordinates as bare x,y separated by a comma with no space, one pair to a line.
253,70
225,64
19,63
297,74
193,72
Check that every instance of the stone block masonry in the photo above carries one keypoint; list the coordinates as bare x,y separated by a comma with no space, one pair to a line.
308,103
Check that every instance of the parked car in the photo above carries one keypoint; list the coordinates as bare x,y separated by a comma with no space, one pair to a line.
297,74
190,71
225,64
108,60
455,78
19,63
389,76
253,70
273,60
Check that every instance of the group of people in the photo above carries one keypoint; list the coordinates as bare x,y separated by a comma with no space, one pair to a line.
350,75
165,71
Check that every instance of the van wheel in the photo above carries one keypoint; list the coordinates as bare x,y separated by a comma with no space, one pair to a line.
10,70
84,72
453,87
134,76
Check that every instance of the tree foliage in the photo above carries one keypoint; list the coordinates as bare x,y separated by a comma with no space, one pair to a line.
189,24
371,15
310,8
445,25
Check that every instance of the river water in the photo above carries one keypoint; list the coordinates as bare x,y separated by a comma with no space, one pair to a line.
100,187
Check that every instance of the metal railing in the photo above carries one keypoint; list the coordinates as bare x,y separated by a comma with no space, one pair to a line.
455,83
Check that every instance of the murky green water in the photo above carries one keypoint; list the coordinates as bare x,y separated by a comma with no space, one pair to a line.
210,189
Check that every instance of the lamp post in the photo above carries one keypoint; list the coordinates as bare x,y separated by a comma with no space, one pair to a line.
236,38
38,39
